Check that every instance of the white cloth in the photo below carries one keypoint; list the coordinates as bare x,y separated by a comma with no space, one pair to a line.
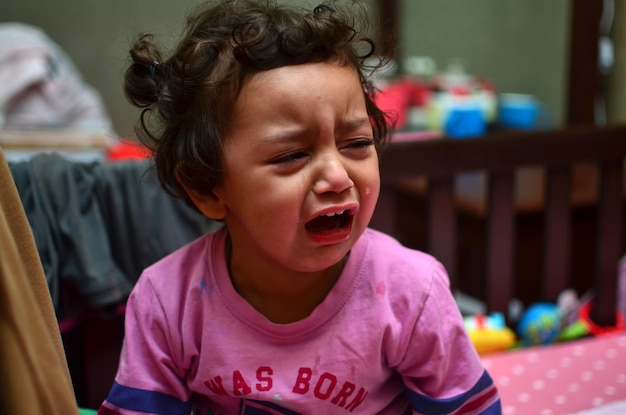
40,87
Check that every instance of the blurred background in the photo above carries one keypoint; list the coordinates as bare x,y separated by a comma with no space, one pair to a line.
567,54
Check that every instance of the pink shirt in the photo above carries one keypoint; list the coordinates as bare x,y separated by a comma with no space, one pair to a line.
388,337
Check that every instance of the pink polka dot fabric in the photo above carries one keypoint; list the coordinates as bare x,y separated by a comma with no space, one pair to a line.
565,378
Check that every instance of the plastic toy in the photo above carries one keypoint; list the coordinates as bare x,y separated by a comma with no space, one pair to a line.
489,333
540,324
596,330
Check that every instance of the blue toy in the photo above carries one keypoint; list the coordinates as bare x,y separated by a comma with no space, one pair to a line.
540,324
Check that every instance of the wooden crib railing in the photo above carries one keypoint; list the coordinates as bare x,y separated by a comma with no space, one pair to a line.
499,156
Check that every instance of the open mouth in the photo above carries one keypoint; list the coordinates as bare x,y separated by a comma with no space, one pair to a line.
330,222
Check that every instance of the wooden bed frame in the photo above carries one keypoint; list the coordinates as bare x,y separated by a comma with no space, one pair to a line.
428,169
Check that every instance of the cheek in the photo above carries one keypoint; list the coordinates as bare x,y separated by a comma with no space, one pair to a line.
369,190
372,192
276,199
372,184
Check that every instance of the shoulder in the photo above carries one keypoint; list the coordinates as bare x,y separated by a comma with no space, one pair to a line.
168,296
184,268
399,279
387,244
389,258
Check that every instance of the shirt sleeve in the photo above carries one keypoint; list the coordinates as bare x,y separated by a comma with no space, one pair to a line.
149,379
441,369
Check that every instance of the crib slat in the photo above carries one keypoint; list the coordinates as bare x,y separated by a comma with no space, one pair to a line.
507,151
610,240
558,225
442,233
500,240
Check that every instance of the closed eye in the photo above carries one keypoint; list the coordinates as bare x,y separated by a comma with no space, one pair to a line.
291,157
365,142
358,147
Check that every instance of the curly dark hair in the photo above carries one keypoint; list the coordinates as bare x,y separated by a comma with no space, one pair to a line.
187,99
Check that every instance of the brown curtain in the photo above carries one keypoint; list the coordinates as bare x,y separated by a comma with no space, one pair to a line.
33,369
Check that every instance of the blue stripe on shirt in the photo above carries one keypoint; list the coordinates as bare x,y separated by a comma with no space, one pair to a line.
494,409
151,402
427,405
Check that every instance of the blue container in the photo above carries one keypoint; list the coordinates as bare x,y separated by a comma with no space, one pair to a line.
522,112
465,123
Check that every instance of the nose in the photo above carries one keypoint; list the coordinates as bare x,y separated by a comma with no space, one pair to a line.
332,176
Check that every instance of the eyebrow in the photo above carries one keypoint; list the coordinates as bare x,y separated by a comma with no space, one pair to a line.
283,135
353,123
293,133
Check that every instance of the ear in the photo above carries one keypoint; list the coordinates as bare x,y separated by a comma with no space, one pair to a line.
211,205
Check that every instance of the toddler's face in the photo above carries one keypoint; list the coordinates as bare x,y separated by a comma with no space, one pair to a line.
302,177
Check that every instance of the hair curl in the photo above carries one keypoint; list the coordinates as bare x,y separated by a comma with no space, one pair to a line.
187,99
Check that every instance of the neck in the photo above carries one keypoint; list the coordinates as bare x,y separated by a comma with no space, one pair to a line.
283,296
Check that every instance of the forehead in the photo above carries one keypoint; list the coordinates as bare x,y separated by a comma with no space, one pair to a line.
297,101
301,81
